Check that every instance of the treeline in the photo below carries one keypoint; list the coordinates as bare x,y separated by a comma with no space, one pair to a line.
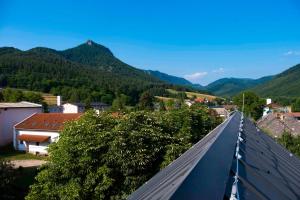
15,95
108,156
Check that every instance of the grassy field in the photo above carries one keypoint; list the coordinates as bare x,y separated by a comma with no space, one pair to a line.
191,94
164,99
49,99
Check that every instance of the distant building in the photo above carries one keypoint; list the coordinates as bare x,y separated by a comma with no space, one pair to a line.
13,113
61,107
201,100
81,107
221,111
35,133
279,122
295,115
189,102
275,108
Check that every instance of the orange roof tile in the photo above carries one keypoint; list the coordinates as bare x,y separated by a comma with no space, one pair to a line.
47,121
34,138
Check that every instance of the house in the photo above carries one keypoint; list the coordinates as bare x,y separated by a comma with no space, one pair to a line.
75,107
221,111
13,113
279,122
35,133
81,107
295,115
201,100
189,102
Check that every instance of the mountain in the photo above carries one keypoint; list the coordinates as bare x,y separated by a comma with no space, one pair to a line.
88,72
285,84
98,56
232,86
169,78
175,80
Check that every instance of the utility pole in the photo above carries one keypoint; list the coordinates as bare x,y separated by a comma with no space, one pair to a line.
243,103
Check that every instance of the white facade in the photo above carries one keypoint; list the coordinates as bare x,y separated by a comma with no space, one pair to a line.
10,115
34,147
71,108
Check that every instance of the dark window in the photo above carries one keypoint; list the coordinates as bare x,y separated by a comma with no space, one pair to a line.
21,141
37,143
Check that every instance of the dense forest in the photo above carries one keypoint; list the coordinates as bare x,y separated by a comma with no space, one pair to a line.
88,72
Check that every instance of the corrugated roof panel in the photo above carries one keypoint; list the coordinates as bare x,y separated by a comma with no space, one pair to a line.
206,171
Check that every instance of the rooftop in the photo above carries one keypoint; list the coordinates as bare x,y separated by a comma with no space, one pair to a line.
22,104
47,121
207,170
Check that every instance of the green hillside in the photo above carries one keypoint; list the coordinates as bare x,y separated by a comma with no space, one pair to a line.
176,80
232,86
84,73
285,84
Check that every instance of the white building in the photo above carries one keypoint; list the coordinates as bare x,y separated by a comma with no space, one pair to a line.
81,107
13,113
35,133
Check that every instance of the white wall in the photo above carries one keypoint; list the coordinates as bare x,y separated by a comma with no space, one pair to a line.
10,117
42,147
70,108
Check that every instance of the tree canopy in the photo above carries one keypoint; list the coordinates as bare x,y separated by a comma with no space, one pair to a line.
108,156
253,104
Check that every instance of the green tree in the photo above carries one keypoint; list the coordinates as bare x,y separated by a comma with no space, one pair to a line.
146,101
253,104
296,106
290,142
108,157
34,97
120,102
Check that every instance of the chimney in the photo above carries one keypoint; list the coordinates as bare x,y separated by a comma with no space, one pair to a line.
58,100
269,101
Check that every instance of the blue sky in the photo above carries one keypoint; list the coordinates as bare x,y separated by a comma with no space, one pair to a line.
199,40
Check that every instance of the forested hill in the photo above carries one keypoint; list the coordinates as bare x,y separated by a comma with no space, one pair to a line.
96,55
285,84
169,78
176,80
89,72
232,86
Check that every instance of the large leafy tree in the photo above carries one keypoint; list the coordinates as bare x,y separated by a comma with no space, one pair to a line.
108,156
253,104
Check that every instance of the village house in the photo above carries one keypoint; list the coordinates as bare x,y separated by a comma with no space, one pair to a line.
13,113
76,107
221,111
35,133
295,115
81,107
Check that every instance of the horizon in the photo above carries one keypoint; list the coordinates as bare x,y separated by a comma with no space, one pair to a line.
201,42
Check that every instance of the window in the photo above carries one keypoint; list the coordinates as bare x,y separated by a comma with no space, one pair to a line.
21,141
37,143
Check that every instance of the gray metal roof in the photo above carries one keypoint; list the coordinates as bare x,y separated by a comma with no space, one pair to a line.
206,171
22,104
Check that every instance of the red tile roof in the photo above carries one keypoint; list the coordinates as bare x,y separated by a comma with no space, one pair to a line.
34,138
295,114
47,121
